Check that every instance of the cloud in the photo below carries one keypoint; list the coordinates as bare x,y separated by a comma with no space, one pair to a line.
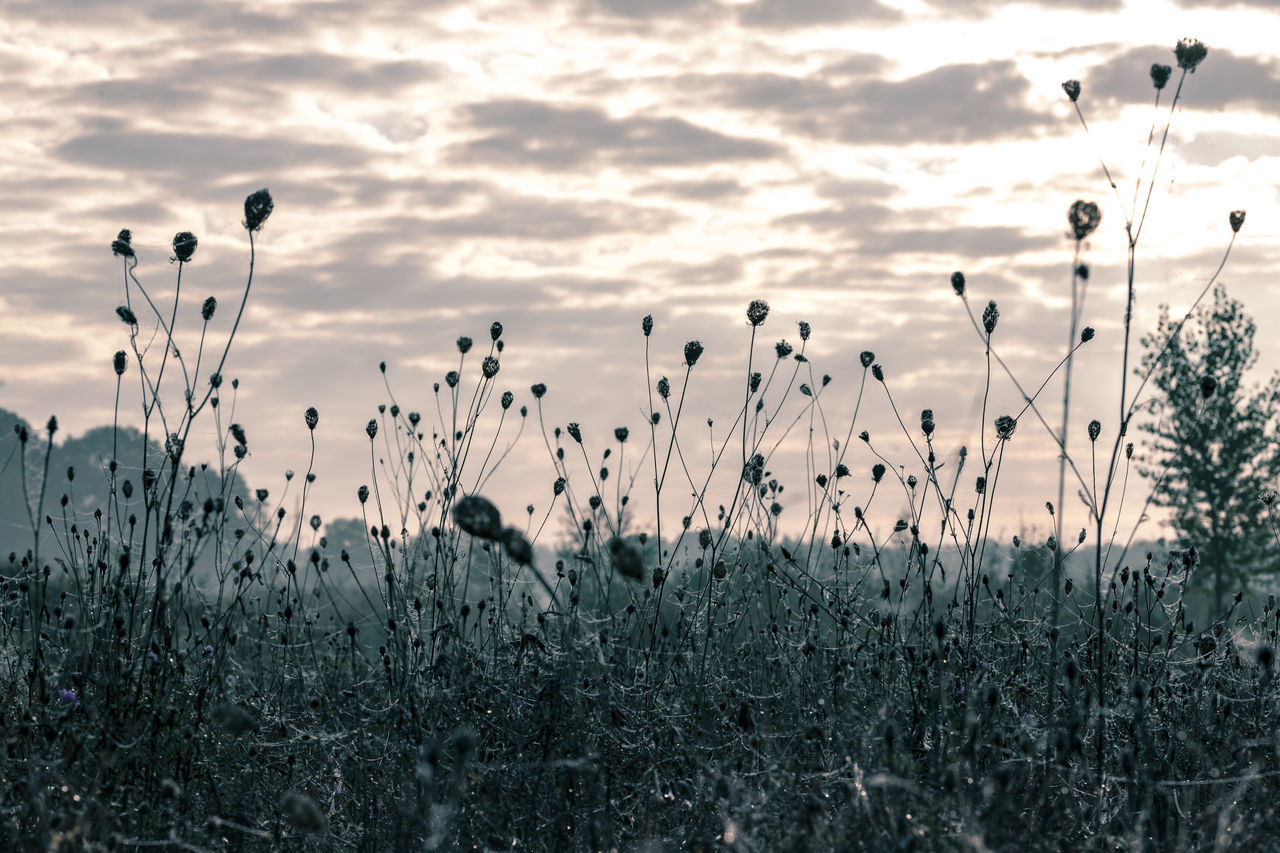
952,104
712,189
515,133
785,14
206,158
1224,80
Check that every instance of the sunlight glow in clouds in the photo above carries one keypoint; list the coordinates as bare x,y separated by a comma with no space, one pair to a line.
567,167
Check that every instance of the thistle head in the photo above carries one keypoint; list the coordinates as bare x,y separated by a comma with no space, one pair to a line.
538,390
184,246
1086,334
867,358
489,367
990,315
804,330
371,429
464,344
495,330
757,311
1005,425
1095,429
478,516
692,352
1072,88
312,417
122,244
1084,217
646,325
782,348
1160,75
1190,53
257,207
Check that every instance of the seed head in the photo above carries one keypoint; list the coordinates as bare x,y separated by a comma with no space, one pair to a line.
478,516
126,315
237,432
464,344
1095,429
1160,75
628,559
1082,272
257,208
926,421
1190,53
538,390
621,433
990,315
1086,334
1072,88
957,282
692,352
506,400
575,432
1236,219
119,361
1128,450
704,539
1207,386
1084,217
646,325
664,388
757,311
184,246
495,330
804,330
517,546
754,382
1005,425
867,357
371,428
489,367
877,472
122,244
557,488
1268,497
878,372
312,417
451,379
783,349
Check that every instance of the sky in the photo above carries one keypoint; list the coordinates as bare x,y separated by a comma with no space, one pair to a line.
567,167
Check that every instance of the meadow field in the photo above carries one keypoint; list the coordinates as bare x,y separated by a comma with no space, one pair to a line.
189,664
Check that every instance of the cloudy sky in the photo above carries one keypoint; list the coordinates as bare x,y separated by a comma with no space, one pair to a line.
569,166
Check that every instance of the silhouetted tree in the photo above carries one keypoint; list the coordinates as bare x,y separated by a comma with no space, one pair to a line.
1215,442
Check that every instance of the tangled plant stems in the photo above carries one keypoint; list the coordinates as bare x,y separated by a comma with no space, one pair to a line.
197,668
